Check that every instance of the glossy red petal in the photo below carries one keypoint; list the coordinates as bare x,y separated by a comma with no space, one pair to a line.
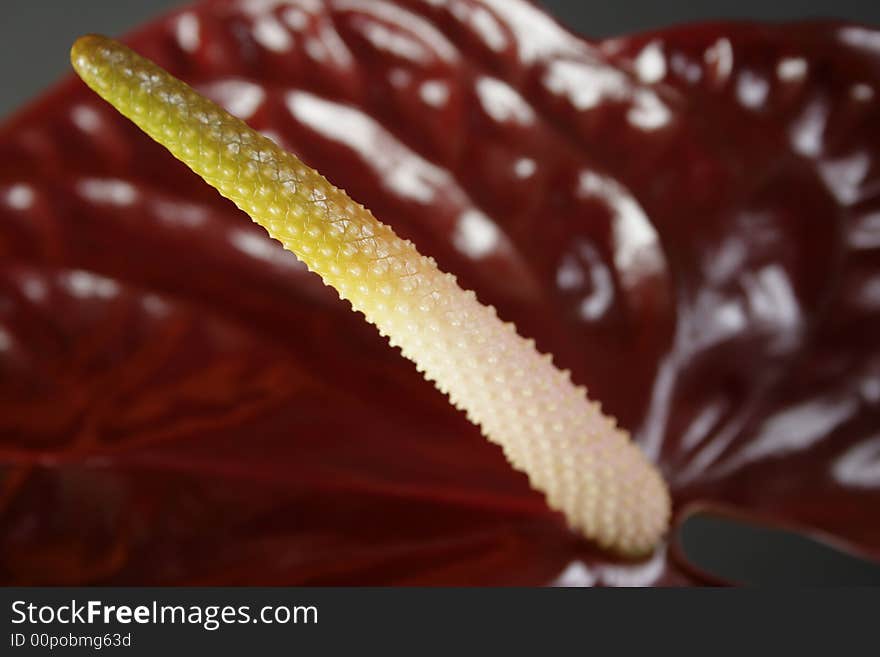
688,220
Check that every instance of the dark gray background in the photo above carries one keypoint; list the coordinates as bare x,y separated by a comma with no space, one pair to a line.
35,35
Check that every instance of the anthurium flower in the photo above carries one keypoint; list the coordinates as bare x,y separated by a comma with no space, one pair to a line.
686,220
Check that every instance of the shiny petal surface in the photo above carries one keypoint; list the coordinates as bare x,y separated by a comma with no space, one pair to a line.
688,220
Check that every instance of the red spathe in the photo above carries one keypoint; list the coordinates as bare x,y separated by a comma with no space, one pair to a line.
688,220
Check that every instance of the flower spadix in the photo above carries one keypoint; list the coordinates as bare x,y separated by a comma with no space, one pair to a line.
587,467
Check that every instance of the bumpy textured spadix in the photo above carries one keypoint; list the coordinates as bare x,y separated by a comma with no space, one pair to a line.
587,467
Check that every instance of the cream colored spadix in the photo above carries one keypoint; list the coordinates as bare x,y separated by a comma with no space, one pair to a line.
587,467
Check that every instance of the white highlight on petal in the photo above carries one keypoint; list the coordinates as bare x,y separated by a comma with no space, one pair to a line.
685,68
570,276
502,103
524,167
648,111
636,243
721,320
187,31
771,298
85,118
864,232
583,272
807,131
87,285
585,86
394,43
868,294
239,97
295,18
155,305
333,44
270,34
844,176
701,426
315,49
184,215
720,57
751,89
862,92
399,77
861,37
797,428
404,171
650,64
576,574
537,35
638,574
274,136
870,387
488,28
792,69
108,190
859,466
259,247
434,92
595,305
5,340
258,7
426,40
34,289
20,196
475,234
